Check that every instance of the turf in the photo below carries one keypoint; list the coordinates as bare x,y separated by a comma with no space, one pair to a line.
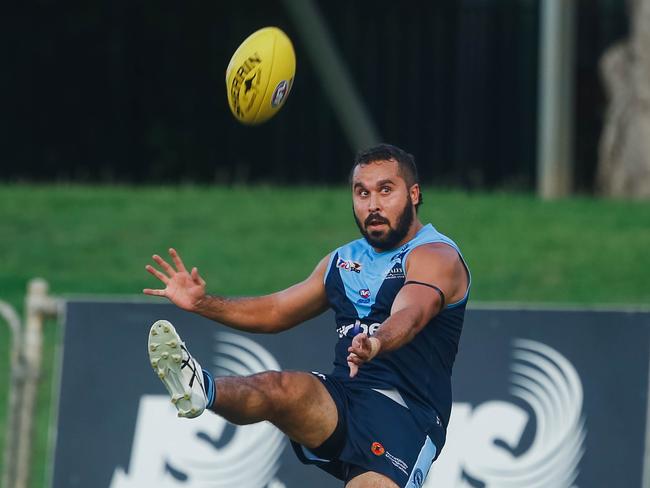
96,240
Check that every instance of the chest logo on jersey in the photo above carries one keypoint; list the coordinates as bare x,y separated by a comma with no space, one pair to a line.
351,330
348,265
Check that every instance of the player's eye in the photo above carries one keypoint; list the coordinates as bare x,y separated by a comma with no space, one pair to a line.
385,189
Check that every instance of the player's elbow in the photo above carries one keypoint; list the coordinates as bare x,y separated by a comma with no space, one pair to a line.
420,319
269,329
264,327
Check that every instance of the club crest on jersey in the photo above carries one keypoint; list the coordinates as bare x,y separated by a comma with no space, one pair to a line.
365,296
348,265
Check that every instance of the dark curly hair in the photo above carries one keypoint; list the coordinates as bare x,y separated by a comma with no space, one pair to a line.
387,152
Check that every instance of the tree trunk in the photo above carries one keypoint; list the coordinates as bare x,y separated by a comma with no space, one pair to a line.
624,159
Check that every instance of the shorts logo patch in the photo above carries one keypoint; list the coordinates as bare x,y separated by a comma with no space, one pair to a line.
418,478
398,463
377,449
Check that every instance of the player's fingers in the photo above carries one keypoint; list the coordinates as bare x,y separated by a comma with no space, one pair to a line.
178,262
353,369
355,353
359,338
355,350
355,358
196,277
164,265
361,348
161,276
156,293
359,341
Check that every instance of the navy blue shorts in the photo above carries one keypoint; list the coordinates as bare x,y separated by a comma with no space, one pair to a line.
378,434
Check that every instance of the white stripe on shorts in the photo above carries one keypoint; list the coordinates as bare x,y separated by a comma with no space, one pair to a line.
394,395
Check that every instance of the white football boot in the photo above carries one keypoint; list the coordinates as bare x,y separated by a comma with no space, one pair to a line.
179,371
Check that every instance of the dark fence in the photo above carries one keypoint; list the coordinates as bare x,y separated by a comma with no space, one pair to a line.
134,91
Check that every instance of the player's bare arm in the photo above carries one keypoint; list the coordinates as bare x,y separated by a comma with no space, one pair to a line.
269,313
437,276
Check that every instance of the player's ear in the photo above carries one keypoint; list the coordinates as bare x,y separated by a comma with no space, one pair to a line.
414,193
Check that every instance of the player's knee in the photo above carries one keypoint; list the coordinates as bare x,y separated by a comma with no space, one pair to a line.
281,390
269,383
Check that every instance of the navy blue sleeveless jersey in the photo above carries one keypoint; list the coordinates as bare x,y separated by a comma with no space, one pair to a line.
361,285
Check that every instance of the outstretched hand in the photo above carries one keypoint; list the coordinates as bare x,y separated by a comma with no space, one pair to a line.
185,289
362,350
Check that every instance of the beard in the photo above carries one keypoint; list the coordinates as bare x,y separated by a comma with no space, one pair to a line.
394,235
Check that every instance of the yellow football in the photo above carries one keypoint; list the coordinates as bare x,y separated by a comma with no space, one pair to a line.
259,75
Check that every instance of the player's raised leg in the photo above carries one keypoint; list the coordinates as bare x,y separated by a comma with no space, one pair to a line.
296,402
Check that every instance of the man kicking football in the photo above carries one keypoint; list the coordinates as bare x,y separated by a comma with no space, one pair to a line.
399,293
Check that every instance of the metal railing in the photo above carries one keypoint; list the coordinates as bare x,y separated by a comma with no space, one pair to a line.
16,380
26,354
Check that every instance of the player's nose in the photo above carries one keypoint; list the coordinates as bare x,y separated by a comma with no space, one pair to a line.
373,203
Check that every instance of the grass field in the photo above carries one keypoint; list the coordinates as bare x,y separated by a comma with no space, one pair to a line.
96,240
